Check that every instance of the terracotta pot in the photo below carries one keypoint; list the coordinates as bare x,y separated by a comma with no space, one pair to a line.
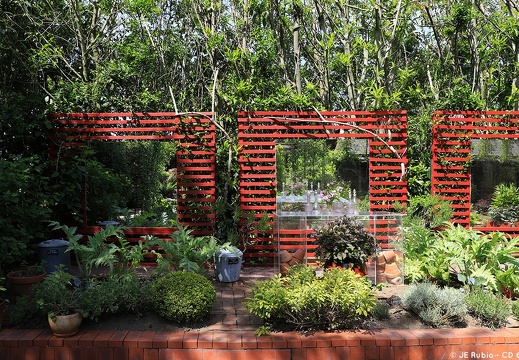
284,256
381,260
380,277
294,261
389,255
299,255
66,325
21,285
392,271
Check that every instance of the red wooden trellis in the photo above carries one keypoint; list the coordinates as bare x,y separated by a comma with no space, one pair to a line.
194,134
451,152
258,131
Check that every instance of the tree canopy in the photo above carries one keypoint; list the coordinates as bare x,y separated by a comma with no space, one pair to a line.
203,55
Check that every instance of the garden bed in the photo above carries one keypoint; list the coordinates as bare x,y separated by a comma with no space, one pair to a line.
229,314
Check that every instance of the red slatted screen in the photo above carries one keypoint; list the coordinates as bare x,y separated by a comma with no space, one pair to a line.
258,131
194,134
451,152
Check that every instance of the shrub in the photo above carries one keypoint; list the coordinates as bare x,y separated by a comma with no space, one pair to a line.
24,202
339,299
429,210
344,241
115,294
490,309
515,309
435,306
183,296
186,252
504,206
381,310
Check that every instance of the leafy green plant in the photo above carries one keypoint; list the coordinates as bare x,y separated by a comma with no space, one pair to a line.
381,310
429,210
115,294
416,241
58,294
338,299
515,309
464,256
504,206
467,252
490,309
24,202
185,251
508,278
98,252
344,241
435,306
183,296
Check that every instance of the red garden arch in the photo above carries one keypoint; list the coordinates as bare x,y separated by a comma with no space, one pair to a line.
451,153
258,131
196,155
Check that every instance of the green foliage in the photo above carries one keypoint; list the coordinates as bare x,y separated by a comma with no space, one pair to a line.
183,296
417,241
97,252
435,306
504,206
63,293
490,309
126,175
419,180
344,241
381,311
515,309
431,211
185,252
58,294
460,256
106,192
339,299
463,256
115,294
307,161
24,204
468,252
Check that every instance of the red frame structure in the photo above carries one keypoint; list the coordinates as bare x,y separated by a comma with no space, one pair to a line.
196,156
258,131
451,152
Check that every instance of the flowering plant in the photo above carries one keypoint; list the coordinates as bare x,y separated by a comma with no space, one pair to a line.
334,192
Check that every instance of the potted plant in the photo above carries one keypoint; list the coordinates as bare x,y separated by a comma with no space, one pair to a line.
59,296
344,242
21,281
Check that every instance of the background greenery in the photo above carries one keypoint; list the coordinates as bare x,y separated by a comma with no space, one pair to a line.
173,55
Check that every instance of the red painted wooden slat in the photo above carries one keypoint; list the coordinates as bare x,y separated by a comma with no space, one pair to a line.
256,134
77,129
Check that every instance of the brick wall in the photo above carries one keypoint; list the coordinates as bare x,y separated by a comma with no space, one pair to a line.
483,343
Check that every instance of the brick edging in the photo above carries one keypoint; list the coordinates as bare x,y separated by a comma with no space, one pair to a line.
470,343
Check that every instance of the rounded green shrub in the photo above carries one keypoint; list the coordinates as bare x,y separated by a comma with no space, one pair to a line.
183,296
339,299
